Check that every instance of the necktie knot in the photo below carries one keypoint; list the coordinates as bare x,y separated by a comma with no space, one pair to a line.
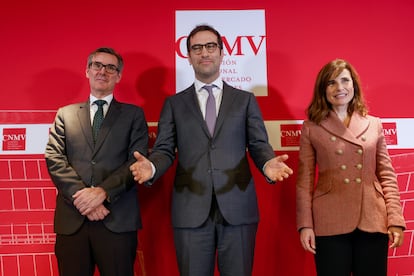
99,103
209,88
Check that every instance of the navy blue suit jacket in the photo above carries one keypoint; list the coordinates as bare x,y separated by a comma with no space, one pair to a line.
208,164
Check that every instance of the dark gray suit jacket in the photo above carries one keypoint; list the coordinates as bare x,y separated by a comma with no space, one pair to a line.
208,163
74,162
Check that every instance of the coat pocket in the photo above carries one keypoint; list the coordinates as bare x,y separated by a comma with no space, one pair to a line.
322,188
378,188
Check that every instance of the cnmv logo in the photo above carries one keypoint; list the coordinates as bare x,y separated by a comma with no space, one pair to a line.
240,46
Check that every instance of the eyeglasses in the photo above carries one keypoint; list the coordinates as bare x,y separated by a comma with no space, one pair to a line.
210,47
109,68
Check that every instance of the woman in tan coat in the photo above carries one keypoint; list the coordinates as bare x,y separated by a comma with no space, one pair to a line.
348,203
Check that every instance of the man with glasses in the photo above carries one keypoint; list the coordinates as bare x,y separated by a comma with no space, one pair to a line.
210,125
88,155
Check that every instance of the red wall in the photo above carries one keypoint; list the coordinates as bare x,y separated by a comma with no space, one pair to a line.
44,46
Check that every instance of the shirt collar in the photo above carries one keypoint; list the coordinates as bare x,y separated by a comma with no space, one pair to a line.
108,99
199,85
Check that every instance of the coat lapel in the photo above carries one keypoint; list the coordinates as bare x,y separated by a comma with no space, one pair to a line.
357,126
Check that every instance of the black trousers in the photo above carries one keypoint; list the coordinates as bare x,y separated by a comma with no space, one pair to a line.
94,245
358,253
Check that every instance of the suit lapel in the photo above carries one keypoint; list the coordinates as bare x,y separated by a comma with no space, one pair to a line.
225,105
84,116
193,104
110,118
191,100
85,122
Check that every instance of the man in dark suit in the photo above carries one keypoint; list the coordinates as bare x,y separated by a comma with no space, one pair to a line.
97,214
214,204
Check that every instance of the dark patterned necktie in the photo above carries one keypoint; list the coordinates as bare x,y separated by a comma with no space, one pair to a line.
210,109
98,118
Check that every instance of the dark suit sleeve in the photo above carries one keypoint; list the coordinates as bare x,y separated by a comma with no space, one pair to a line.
257,139
163,153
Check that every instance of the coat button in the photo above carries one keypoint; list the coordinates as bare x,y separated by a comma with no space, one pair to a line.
346,180
359,151
339,151
359,166
358,180
363,138
343,167
333,138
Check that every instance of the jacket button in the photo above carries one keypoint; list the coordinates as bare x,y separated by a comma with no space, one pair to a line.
363,138
359,166
333,138
359,151
358,180
343,167
346,180
339,152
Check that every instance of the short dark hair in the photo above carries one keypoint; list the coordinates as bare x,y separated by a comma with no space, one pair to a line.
201,28
108,51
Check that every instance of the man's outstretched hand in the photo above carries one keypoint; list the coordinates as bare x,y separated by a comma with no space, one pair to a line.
141,169
276,169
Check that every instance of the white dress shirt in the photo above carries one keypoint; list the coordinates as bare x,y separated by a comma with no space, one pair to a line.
94,107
